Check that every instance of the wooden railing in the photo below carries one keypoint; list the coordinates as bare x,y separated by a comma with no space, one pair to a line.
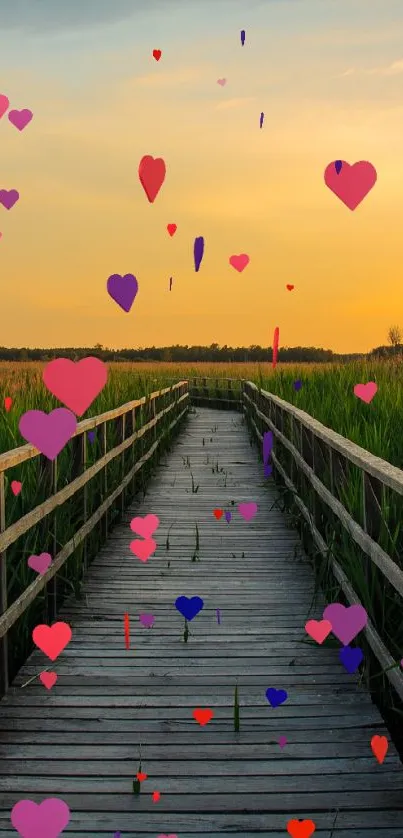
223,393
140,427
320,466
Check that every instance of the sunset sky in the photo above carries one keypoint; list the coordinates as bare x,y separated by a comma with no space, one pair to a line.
328,75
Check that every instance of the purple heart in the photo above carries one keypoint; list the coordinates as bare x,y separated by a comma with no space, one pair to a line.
123,290
49,432
297,384
91,436
276,697
228,517
346,622
20,118
351,657
282,741
9,197
247,510
147,620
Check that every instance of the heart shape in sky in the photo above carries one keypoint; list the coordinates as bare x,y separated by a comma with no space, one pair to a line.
239,262
152,175
350,183
123,289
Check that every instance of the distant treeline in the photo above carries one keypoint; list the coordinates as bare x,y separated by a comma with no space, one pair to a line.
193,354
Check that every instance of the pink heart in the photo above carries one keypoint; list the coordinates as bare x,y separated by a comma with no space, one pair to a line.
144,526
147,620
221,82
40,820
143,549
239,262
352,183
282,741
76,384
4,103
40,563
16,487
48,432
48,679
366,392
318,629
20,119
247,510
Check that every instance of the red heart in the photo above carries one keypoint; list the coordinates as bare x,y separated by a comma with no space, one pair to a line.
156,796
7,403
379,747
16,487
300,829
202,716
289,287
48,679
218,513
171,229
141,776
157,54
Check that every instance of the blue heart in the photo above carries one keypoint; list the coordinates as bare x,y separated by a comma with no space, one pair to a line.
351,657
189,606
276,697
91,436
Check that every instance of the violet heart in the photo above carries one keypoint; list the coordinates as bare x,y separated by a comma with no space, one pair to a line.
247,510
228,517
20,119
147,620
49,432
346,622
123,289
9,197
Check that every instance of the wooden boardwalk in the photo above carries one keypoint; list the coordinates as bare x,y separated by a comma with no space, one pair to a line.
80,741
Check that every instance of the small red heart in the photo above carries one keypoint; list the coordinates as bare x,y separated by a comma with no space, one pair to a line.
301,829
289,287
7,403
16,487
157,54
141,776
48,679
218,513
156,796
202,716
171,229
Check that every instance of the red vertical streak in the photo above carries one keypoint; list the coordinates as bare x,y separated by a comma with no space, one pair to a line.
127,631
275,345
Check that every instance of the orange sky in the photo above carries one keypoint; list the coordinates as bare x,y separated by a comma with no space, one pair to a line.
329,78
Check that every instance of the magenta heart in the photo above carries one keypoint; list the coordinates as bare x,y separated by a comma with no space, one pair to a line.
4,103
247,510
346,622
20,119
40,820
147,620
143,549
49,432
9,197
282,741
40,563
145,526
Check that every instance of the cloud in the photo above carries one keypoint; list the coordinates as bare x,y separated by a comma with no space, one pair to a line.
393,69
234,103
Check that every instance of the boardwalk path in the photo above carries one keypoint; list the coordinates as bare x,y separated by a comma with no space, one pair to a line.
80,740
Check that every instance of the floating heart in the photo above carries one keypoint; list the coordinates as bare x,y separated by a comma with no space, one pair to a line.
203,717
289,287
4,103
239,262
366,392
300,829
152,175
156,796
40,820
48,679
218,513
123,290
40,563
140,776
16,487
351,183
351,657
48,432
172,228
51,640
143,549
145,526
222,82
282,741
91,436
147,620
75,383
7,403
166,835
247,510
189,607
157,54
9,197
276,697
228,517
346,622
20,119
379,747
318,629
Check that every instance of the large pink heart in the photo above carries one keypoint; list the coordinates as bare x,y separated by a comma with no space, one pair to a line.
145,526
366,392
40,820
48,432
40,563
143,549
350,183
4,103
247,510
76,384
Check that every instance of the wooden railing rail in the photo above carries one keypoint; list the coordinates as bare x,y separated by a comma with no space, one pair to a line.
313,450
159,405
218,391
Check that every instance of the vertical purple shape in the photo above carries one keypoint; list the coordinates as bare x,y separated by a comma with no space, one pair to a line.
338,166
242,36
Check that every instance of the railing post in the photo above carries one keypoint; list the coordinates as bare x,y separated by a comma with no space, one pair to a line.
3,594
